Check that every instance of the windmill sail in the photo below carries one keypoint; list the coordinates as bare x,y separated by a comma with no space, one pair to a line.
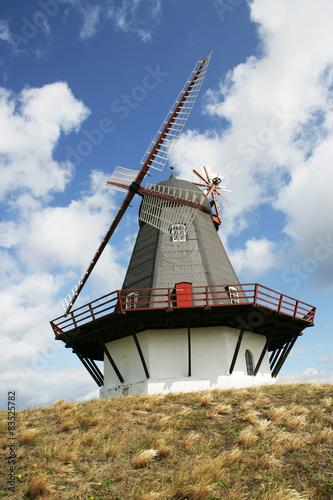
171,212
121,178
179,114
169,132
157,155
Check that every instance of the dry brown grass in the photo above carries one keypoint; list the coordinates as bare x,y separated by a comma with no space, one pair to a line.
27,436
111,449
4,443
206,400
189,441
37,487
262,426
164,451
60,402
295,422
267,443
223,409
144,458
321,437
251,418
277,413
163,422
247,437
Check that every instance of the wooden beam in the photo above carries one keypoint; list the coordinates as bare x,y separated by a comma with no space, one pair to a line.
113,364
96,378
284,356
95,369
234,359
273,359
143,361
265,349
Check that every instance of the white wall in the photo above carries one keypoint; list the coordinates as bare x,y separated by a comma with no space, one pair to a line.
126,357
166,356
209,353
168,353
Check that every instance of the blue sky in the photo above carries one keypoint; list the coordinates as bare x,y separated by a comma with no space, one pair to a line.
85,86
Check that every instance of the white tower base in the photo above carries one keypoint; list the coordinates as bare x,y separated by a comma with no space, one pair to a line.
181,361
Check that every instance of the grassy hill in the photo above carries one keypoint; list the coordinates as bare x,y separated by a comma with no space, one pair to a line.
272,442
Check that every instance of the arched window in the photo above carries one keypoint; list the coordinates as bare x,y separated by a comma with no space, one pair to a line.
249,362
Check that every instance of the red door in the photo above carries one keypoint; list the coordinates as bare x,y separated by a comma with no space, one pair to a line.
184,294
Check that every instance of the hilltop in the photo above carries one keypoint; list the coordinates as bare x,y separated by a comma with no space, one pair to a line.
271,443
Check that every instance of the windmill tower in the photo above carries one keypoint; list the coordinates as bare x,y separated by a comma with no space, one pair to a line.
181,320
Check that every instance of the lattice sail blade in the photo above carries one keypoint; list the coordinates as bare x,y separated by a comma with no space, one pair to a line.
170,215
164,215
121,178
178,124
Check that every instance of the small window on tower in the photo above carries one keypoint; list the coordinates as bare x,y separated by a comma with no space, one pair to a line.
131,300
249,362
233,294
178,232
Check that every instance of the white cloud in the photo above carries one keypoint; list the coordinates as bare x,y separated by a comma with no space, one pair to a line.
138,17
57,236
8,268
134,17
91,19
326,359
27,301
257,257
310,375
66,238
9,235
92,395
31,124
4,31
41,384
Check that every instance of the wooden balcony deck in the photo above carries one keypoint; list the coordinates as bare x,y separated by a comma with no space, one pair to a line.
202,297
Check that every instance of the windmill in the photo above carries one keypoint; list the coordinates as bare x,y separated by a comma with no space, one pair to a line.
181,321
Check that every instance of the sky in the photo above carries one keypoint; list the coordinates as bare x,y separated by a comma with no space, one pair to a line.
84,87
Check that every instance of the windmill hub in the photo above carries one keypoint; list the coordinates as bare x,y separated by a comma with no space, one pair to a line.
216,181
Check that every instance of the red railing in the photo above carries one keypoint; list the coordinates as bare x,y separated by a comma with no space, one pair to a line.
168,298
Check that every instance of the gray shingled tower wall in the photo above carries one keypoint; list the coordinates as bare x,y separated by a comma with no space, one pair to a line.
158,261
